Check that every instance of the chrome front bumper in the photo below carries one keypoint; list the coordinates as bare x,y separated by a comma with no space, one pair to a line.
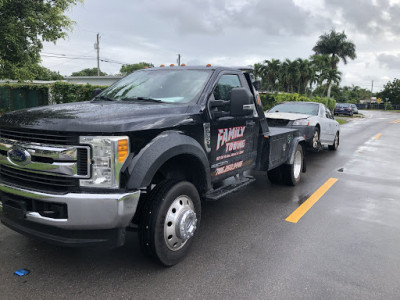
86,211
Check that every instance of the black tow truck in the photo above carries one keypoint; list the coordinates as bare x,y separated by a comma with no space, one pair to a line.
142,154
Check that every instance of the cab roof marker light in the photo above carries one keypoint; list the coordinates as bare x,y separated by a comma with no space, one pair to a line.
208,65
183,65
162,66
172,65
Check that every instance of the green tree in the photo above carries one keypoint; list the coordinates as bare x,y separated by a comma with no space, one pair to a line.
24,25
332,76
290,75
126,69
353,94
307,74
259,73
271,73
320,64
336,45
43,73
391,91
88,72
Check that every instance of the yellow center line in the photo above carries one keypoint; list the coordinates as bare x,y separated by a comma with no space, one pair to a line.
377,136
395,122
303,208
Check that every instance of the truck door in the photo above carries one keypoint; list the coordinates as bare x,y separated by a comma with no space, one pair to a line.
233,139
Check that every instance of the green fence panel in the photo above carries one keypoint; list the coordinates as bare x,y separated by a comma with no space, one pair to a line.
4,98
19,98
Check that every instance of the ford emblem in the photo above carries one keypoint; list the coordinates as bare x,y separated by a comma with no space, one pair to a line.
18,156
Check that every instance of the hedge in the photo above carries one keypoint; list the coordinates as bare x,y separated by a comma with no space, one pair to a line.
62,92
270,100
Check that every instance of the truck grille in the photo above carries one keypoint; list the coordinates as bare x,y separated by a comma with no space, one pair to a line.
36,181
277,122
51,163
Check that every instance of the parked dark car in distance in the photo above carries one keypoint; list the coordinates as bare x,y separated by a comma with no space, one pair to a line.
343,109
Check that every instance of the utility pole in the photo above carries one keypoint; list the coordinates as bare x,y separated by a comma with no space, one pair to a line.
97,47
179,60
372,87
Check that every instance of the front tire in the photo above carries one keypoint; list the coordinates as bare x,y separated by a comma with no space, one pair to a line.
292,173
169,221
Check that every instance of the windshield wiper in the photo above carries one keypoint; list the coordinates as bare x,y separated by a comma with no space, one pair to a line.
104,98
142,98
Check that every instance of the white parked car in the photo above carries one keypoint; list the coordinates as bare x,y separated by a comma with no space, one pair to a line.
354,108
314,120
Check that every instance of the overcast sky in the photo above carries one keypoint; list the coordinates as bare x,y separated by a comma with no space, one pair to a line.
230,33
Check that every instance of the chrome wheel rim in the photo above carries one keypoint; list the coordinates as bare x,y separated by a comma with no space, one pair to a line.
315,140
336,141
180,223
297,164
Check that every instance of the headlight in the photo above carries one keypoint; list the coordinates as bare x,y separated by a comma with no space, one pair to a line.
108,155
301,122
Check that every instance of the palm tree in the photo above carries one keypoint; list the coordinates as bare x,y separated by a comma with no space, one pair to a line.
272,72
284,75
294,74
306,74
336,45
320,64
331,76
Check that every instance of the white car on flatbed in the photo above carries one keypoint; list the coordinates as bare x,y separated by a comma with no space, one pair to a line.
314,120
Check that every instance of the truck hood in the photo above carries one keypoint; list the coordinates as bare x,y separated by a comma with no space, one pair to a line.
286,116
99,117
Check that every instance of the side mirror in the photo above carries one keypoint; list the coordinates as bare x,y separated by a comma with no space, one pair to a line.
96,92
257,85
242,103
215,104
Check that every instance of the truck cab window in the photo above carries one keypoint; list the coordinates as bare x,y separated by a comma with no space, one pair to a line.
224,86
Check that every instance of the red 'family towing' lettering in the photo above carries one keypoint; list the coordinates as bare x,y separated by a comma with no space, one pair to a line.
225,135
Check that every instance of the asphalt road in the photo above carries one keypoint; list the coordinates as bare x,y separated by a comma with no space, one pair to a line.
347,246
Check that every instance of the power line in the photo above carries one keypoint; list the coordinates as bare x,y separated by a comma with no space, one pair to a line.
107,60
84,54
66,57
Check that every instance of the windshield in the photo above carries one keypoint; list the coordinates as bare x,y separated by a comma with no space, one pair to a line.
343,105
297,107
170,86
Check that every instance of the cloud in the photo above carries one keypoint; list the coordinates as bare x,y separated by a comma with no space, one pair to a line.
389,61
373,18
230,32
216,17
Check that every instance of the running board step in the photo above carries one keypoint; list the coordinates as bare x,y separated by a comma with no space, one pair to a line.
227,189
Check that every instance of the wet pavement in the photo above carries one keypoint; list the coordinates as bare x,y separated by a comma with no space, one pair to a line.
346,246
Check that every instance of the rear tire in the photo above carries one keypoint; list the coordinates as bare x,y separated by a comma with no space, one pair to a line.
335,144
169,221
292,173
